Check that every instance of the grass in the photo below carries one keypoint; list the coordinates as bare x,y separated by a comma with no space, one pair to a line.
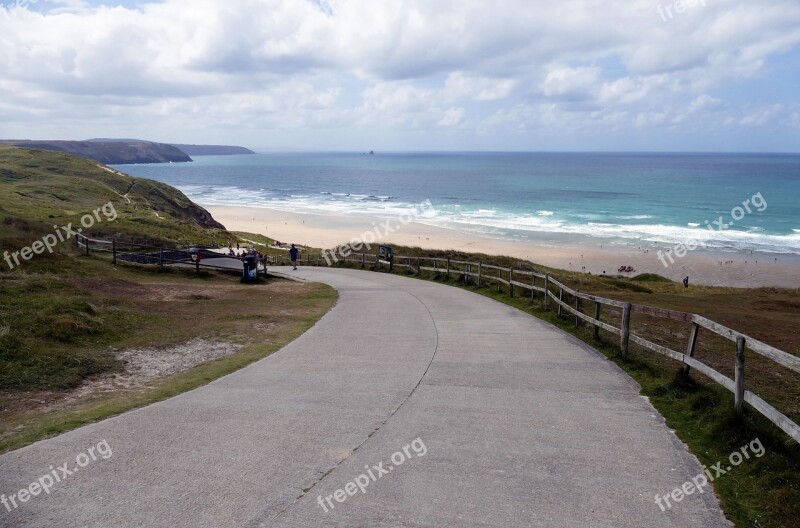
42,189
60,313
64,317
762,492
130,307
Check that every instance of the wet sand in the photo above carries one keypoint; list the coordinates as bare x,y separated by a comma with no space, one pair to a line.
702,266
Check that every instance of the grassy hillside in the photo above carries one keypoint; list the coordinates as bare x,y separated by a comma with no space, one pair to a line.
41,189
212,150
64,316
111,152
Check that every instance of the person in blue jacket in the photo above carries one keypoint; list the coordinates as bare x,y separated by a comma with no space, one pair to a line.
293,256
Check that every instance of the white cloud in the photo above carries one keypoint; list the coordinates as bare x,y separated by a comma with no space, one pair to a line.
452,117
459,86
576,65
570,82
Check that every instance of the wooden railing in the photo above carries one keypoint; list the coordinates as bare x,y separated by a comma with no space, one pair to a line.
137,253
553,291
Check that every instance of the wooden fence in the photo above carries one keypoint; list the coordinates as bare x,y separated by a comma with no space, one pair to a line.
127,250
553,292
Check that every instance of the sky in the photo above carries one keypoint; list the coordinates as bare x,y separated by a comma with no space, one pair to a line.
407,75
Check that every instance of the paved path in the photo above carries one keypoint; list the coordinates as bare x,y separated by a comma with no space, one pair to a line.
516,424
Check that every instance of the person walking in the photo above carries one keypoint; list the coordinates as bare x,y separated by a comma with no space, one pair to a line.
686,282
293,252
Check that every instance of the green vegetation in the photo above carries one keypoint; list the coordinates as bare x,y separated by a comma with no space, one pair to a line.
762,492
64,317
61,314
42,189
111,152
650,277
131,307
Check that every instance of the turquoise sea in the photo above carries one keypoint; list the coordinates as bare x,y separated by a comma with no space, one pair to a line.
644,200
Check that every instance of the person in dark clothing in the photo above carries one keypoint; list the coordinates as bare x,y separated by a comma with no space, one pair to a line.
686,282
293,256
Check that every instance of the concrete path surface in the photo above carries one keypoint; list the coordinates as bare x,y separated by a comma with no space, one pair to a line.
409,404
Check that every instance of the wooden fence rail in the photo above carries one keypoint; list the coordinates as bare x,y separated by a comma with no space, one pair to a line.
553,290
478,271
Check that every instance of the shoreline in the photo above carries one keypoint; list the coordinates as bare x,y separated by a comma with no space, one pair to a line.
707,267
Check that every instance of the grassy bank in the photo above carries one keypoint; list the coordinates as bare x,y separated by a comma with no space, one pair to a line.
67,321
61,332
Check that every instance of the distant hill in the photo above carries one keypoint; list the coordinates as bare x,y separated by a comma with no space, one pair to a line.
191,150
110,152
212,150
49,187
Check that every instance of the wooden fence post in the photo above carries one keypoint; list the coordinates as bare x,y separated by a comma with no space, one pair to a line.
510,279
448,267
739,395
577,309
362,260
161,258
597,306
500,277
418,265
625,333
546,290
692,344
533,285
560,298
86,240
479,274
114,251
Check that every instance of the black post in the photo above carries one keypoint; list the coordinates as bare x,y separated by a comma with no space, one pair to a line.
739,375
597,316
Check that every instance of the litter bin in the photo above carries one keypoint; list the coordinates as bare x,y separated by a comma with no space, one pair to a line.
385,256
249,269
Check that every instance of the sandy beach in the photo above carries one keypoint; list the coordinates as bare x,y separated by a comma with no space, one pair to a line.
702,266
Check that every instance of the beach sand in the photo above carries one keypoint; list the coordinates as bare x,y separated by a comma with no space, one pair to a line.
702,266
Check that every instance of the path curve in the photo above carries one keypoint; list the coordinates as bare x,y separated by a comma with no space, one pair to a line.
518,424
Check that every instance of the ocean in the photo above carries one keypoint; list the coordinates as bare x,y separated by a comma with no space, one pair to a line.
724,202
